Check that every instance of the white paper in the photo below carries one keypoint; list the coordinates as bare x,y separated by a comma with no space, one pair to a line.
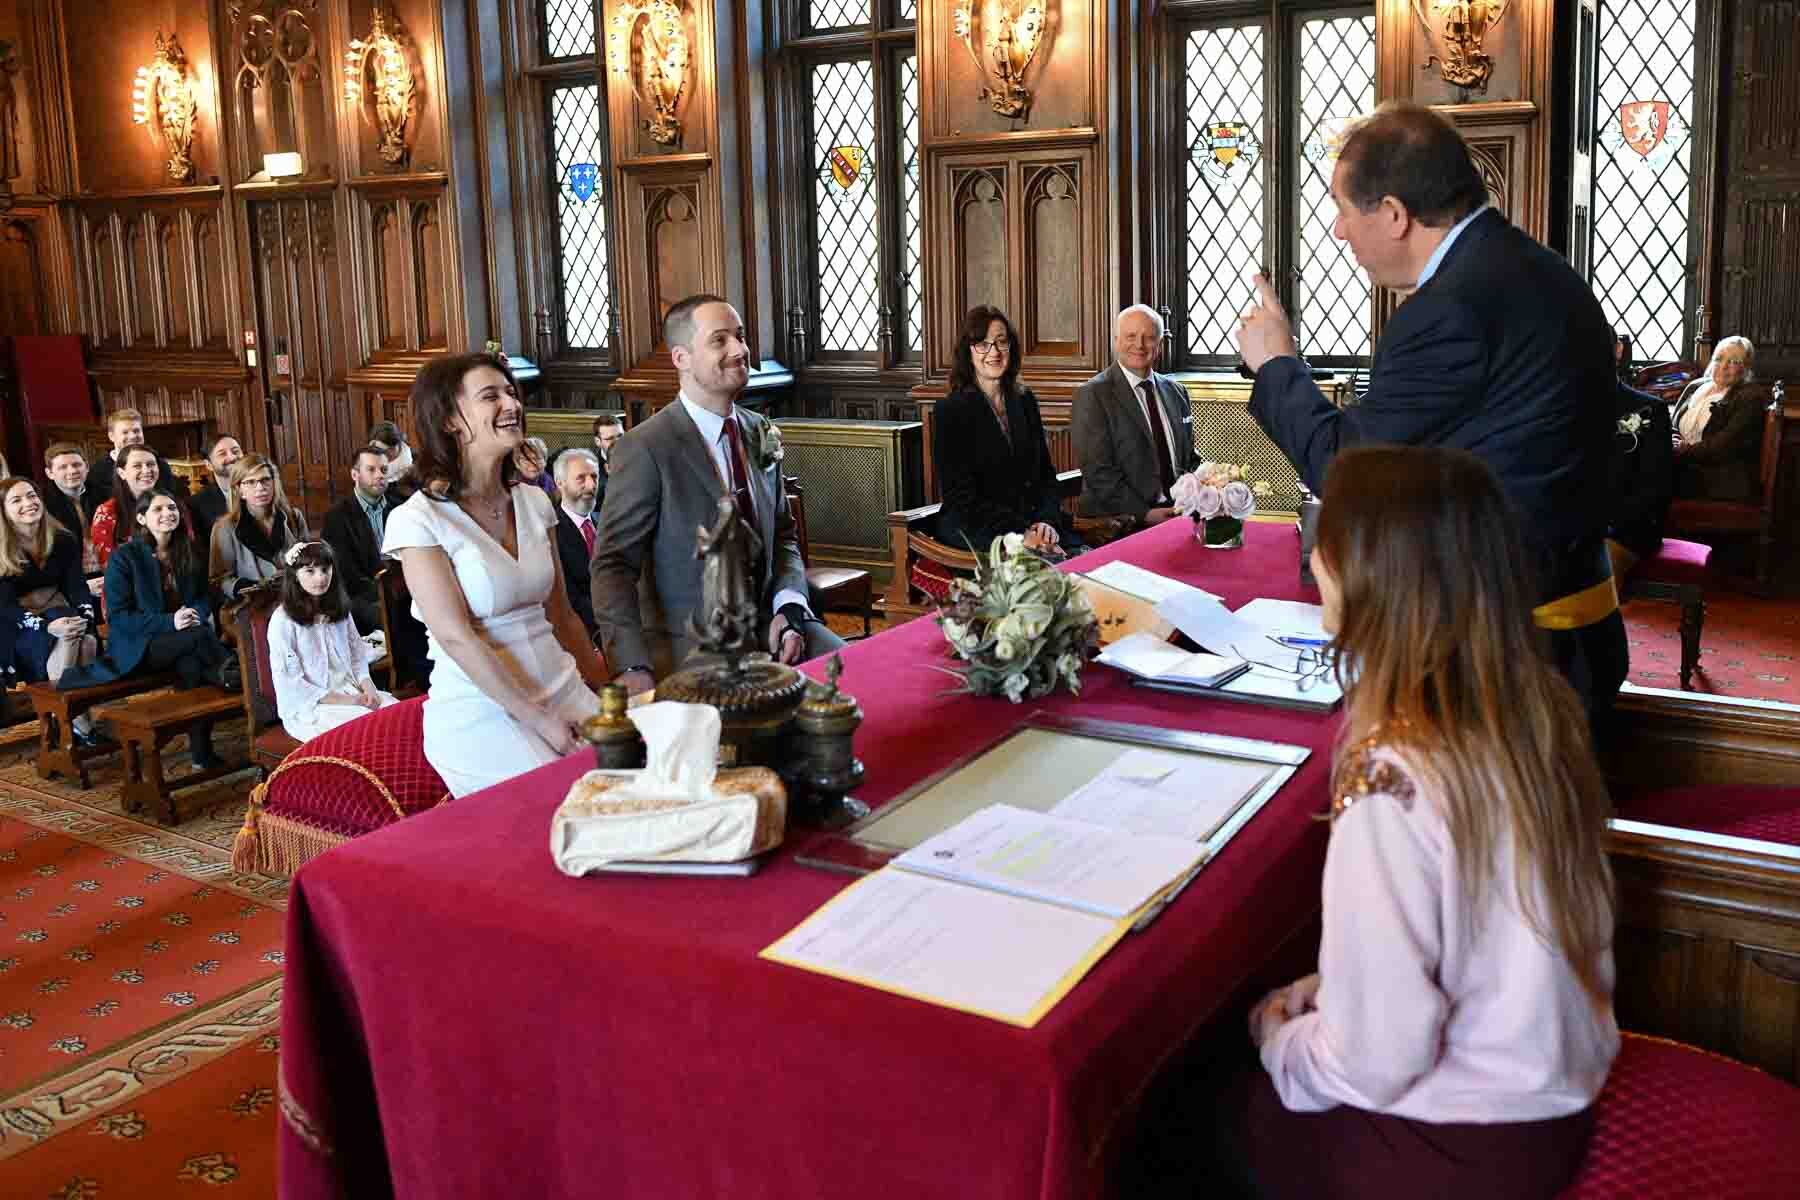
980,951
1059,861
1154,792
1286,618
1145,585
1150,657
1214,627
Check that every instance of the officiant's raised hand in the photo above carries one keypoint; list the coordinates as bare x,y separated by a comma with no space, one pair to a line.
1264,331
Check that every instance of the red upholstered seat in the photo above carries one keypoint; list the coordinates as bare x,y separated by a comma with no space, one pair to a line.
342,784
1677,562
1768,814
1678,1122
931,578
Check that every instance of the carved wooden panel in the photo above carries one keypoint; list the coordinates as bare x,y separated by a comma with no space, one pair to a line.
24,306
1051,323
278,92
409,269
1657,970
632,116
978,241
1061,79
1767,95
152,273
672,248
1768,1007
1762,274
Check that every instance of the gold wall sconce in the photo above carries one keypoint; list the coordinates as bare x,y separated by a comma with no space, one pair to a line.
647,45
1012,39
162,98
378,68
1460,29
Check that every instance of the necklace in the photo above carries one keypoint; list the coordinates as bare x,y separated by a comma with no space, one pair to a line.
492,509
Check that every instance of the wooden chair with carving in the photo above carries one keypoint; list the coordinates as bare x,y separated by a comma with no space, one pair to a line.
851,586
1703,520
269,742
400,631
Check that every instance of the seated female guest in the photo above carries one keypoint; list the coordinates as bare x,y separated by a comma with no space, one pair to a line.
513,671
1718,428
158,614
534,465
320,665
249,540
137,475
1461,1024
46,612
988,445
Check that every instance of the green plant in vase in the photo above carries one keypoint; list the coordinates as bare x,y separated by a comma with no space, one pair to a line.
1022,626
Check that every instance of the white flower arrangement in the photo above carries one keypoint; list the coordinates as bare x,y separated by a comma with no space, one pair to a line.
1022,626
1218,494
769,449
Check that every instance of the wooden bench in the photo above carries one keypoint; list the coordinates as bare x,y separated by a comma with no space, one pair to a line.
143,725
58,752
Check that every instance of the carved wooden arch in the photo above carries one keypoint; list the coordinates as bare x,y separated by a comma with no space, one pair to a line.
24,306
276,48
1052,320
673,245
170,243
982,255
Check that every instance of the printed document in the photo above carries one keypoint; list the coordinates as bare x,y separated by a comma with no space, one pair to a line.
1169,795
1145,585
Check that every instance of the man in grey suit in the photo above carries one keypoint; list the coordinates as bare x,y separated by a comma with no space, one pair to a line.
1132,428
665,479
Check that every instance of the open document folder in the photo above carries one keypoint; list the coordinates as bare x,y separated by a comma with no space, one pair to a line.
1000,915
1283,642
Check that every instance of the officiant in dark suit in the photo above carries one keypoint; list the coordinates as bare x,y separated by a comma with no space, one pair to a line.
1501,350
577,486
1132,428
667,475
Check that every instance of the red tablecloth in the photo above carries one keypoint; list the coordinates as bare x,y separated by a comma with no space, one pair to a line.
462,1020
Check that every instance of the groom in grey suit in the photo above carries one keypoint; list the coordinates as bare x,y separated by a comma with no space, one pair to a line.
1132,428
664,482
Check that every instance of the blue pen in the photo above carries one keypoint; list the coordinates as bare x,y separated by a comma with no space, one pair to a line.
1304,643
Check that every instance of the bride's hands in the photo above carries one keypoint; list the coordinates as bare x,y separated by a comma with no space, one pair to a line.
560,735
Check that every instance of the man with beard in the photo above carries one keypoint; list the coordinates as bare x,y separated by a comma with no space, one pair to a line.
354,528
211,501
125,429
608,429
667,477
577,482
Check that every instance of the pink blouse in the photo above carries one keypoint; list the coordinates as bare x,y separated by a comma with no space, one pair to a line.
1415,1017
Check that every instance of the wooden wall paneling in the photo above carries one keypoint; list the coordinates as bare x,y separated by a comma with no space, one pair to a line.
283,80
25,306
429,257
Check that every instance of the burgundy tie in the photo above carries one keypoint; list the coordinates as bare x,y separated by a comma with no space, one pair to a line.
740,475
587,534
1165,465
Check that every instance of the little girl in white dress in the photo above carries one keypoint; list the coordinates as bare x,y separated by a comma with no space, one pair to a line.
320,665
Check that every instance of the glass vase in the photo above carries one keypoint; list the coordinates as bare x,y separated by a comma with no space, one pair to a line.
1219,533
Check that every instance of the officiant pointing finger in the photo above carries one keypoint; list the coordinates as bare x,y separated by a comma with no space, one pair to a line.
1500,349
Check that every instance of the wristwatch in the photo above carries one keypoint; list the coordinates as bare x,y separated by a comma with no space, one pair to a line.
796,618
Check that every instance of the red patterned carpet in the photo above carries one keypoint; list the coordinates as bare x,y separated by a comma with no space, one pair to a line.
1749,648
140,990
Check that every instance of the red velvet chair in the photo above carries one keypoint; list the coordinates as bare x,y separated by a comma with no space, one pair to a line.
1676,572
344,783
1676,1122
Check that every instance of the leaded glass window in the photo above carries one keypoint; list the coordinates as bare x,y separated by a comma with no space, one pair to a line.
1642,160
568,28
1225,180
909,10
912,268
1337,85
844,205
838,14
583,271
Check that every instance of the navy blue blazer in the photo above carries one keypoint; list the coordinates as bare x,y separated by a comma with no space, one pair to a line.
134,611
1504,353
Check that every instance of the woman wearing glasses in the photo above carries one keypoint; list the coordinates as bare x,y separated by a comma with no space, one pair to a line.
993,464
1461,1023
259,525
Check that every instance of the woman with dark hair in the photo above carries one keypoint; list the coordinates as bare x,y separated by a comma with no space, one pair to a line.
138,473
1460,1024
256,530
158,614
319,663
513,672
993,464
46,611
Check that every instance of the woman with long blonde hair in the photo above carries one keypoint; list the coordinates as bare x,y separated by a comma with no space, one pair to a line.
258,526
1460,1024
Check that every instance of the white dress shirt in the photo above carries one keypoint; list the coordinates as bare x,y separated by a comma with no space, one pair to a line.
712,431
1153,412
579,519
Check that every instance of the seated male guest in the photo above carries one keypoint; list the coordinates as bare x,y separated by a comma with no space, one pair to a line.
125,429
1718,427
209,503
72,502
1132,428
1501,350
577,483
354,528
608,429
993,464
386,436
668,475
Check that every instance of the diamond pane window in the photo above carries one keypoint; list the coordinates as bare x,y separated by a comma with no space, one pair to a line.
1337,84
1225,180
844,205
568,28
909,10
1641,171
839,14
912,266
584,281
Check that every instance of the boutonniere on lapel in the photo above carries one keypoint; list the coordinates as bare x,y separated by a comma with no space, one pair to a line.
767,451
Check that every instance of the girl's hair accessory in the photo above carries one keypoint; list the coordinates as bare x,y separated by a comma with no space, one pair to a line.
292,553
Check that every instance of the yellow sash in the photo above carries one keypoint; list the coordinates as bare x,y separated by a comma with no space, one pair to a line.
1578,609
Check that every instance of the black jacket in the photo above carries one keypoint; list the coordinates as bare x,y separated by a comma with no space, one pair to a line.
1726,463
1504,353
72,517
1642,475
207,507
572,549
992,485
101,475
351,539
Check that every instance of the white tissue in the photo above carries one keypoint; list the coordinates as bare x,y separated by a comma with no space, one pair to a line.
682,745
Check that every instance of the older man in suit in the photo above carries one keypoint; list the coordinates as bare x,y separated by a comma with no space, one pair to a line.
666,478
1132,428
1500,350
577,484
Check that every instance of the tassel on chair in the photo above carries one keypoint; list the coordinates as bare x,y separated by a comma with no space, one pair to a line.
246,847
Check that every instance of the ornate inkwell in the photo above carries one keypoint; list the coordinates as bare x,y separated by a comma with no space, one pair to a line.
617,744
824,766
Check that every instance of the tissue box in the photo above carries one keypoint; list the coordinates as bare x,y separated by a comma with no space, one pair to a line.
602,825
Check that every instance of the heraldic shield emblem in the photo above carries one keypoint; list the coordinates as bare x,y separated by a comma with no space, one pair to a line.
1651,130
582,178
1225,146
846,164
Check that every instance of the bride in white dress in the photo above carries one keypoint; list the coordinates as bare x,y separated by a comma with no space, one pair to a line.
513,673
